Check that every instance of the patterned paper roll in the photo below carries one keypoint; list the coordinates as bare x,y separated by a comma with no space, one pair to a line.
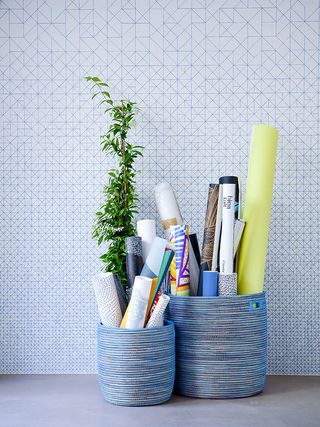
134,260
180,235
170,214
227,284
146,229
209,232
152,265
137,308
173,270
253,247
156,319
107,299
122,296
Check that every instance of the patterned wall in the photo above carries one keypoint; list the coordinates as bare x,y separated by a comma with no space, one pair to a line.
203,72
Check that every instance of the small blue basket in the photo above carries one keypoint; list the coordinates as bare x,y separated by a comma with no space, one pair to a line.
136,366
221,345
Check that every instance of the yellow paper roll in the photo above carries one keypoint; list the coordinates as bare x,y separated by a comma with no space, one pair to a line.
257,208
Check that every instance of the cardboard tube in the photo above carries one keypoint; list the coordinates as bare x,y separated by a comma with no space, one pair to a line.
257,208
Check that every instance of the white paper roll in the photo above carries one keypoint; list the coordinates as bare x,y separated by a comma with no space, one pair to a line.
227,232
146,229
167,205
138,302
156,319
107,299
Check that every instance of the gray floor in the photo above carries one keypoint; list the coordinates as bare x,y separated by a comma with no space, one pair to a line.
74,400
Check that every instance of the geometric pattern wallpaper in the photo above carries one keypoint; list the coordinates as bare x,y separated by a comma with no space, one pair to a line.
202,72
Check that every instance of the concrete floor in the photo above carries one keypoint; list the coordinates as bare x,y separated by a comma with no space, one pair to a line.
75,401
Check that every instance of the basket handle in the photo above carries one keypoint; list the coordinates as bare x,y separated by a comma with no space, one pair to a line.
255,305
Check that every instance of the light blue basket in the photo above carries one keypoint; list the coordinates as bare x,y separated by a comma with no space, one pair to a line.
221,345
136,366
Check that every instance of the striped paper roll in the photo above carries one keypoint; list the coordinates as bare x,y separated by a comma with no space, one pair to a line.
180,235
156,319
107,299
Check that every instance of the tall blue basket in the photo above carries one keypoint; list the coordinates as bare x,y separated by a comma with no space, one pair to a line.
136,367
221,345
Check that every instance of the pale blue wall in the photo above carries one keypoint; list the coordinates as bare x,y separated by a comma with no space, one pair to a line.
202,72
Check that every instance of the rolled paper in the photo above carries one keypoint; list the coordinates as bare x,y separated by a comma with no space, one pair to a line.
253,247
151,297
138,305
236,181
210,283
167,206
152,265
146,229
165,264
107,299
180,235
134,260
156,319
226,261
122,296
193,239
227,284
238,231
209,232
170,214
173,271
217,235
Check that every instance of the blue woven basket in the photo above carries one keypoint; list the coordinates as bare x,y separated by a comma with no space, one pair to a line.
221,345
136,367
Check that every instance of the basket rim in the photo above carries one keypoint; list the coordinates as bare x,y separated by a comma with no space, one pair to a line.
168,324
197,298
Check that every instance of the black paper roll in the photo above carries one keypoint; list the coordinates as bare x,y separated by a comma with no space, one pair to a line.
122,296
195,246
134,259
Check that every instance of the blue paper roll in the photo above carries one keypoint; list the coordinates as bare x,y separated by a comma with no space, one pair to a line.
209,283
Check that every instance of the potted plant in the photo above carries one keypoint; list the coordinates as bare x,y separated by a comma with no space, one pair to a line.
114,219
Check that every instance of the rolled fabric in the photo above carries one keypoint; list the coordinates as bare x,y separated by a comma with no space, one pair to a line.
122,296
170,214
134,260
146,229
137,309
253,247
156,319
209,232
152,265
107,299
180,235
227,284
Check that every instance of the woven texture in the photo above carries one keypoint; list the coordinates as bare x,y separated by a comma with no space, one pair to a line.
227,284
221,345
107,299
136,367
